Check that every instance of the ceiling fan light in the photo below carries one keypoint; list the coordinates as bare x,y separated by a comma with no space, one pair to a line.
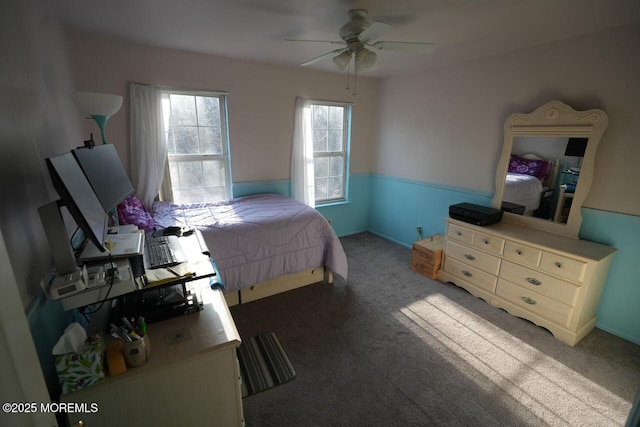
342,60
366,59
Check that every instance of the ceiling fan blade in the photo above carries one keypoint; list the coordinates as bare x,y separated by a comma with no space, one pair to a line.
318,58
316,41
410,47
375,30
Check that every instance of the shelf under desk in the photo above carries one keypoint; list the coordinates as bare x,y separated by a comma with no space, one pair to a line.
199,265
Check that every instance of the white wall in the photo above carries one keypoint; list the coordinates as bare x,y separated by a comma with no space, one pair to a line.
446,126
38,120
261,98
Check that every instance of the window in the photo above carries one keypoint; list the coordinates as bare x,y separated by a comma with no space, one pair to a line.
330,125
197,147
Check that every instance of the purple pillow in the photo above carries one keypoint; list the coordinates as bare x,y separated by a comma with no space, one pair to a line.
546,170
524,166
132,211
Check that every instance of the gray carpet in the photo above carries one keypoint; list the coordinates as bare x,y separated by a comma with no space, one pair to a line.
393,348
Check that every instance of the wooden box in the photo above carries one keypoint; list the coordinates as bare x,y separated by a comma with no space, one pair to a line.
427,255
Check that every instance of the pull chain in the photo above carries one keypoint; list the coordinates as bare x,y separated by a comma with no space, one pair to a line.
355,78
348,75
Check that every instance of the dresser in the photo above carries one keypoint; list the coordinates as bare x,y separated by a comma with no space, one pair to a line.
552,280
192,376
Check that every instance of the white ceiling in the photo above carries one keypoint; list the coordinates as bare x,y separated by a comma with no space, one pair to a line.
256,30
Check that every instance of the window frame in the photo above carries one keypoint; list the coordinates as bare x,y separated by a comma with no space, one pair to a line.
225,156
345,153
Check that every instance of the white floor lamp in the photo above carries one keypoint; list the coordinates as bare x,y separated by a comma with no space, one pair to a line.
99,107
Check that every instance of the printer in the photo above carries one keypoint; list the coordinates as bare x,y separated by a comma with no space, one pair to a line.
475,214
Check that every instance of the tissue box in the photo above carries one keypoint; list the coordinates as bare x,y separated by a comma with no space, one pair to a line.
80,370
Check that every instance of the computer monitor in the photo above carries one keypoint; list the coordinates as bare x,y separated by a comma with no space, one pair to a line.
78,197
104,171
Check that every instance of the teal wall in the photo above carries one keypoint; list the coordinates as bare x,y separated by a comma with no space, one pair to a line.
280,186
353,216
398,206
619,309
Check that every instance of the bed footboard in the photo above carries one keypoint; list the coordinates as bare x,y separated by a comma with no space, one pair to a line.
279,285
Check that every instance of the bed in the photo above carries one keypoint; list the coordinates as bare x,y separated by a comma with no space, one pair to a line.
262,244
529,178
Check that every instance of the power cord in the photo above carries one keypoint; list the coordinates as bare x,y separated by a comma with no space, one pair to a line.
114,267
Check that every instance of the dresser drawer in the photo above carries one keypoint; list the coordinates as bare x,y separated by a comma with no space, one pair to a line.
460,234
522,253
474,257
488,243
562,266
556,289
470,274
534,302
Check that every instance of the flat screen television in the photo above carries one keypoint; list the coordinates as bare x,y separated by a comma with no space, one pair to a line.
104,171
79,198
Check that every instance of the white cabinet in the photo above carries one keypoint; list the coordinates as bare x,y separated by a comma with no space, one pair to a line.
552,280
195,381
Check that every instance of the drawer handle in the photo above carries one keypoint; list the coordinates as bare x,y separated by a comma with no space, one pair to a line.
519,252
459,233
534,281
529,300
469,257
485,241
467,273
559,264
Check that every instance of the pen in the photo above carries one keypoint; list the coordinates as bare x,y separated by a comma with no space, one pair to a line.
173,271
127,324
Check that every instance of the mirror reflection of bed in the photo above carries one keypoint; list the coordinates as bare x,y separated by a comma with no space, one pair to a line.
542,177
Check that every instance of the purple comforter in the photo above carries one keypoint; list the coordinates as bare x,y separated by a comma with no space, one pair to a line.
257,238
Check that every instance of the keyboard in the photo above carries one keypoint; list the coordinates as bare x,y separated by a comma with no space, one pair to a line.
163,251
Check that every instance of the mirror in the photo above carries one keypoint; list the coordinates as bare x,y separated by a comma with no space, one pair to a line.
546,167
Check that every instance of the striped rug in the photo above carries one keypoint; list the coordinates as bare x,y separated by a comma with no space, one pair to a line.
263,364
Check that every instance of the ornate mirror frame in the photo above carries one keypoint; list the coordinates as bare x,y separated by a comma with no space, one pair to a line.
554,119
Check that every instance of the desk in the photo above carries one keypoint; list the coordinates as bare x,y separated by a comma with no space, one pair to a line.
563,207
191,382
167,294
198,263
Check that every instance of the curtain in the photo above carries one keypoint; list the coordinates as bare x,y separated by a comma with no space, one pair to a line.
147,142
302,181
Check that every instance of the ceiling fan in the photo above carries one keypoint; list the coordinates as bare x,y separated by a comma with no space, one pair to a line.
357,36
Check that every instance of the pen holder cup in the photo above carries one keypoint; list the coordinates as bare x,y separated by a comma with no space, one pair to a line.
136,353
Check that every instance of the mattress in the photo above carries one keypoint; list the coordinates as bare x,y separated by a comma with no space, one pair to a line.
521,189
258,238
